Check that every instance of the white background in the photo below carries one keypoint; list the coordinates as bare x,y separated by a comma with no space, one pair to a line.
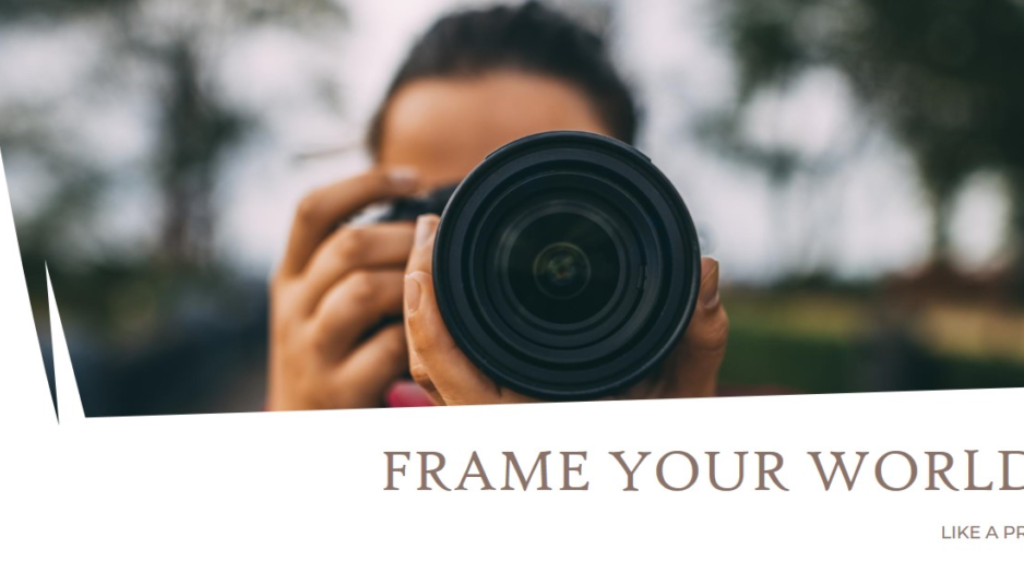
298,497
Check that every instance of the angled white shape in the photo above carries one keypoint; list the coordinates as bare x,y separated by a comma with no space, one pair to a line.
69,401
24,391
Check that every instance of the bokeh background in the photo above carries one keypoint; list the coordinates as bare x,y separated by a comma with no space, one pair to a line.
857,166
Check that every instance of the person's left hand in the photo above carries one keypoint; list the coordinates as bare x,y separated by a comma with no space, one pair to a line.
439,366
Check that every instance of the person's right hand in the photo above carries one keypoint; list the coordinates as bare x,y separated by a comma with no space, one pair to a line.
331,292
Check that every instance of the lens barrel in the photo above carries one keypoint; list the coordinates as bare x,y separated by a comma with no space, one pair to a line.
566,266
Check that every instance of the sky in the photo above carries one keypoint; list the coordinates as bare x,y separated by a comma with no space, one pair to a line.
863,220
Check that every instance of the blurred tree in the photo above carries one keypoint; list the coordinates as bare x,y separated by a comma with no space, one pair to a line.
197,126
168,52
943,77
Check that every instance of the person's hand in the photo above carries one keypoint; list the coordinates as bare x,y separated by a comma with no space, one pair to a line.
330,294
439,366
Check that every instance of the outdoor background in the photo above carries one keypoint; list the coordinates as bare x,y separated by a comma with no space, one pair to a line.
857,166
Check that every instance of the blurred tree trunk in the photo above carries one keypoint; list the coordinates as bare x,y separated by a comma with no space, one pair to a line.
1015,180
942,241
195,132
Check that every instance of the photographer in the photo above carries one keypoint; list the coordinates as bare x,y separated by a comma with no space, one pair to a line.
476,81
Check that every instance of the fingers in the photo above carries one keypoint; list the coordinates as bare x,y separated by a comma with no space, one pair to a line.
353,306
421,376
695,362
440,364
326,295
372,367
356,248
712,324
322,210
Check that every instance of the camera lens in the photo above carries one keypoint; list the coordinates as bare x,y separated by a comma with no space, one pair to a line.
566,266
561,271
560,266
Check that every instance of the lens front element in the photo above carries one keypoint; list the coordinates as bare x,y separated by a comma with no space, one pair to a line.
559,263
561,271
566,266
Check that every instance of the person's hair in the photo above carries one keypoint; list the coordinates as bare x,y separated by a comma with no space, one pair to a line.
530,38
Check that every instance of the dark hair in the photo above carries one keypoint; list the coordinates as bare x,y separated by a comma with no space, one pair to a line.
530,38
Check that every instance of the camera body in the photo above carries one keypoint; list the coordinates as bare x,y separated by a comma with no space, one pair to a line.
410,209
566,265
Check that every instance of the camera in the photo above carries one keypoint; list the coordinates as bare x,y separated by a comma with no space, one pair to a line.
566,265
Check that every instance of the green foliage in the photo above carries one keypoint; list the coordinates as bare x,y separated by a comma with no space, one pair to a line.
805,364
197,127
815,365
944,77
166,50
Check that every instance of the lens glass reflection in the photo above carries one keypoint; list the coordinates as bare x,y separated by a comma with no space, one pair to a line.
563,268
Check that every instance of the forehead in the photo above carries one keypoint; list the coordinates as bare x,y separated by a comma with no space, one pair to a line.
445,126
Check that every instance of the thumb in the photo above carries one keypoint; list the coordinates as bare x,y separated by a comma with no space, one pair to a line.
437,361
698,356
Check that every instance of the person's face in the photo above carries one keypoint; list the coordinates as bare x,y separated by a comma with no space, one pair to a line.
444,127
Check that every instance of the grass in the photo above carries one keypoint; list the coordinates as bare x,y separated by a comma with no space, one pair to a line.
829,343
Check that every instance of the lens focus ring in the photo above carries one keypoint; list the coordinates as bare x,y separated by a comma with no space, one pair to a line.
566,266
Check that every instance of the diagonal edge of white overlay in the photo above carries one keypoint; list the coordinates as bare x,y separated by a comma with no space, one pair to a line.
69,401
24,390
